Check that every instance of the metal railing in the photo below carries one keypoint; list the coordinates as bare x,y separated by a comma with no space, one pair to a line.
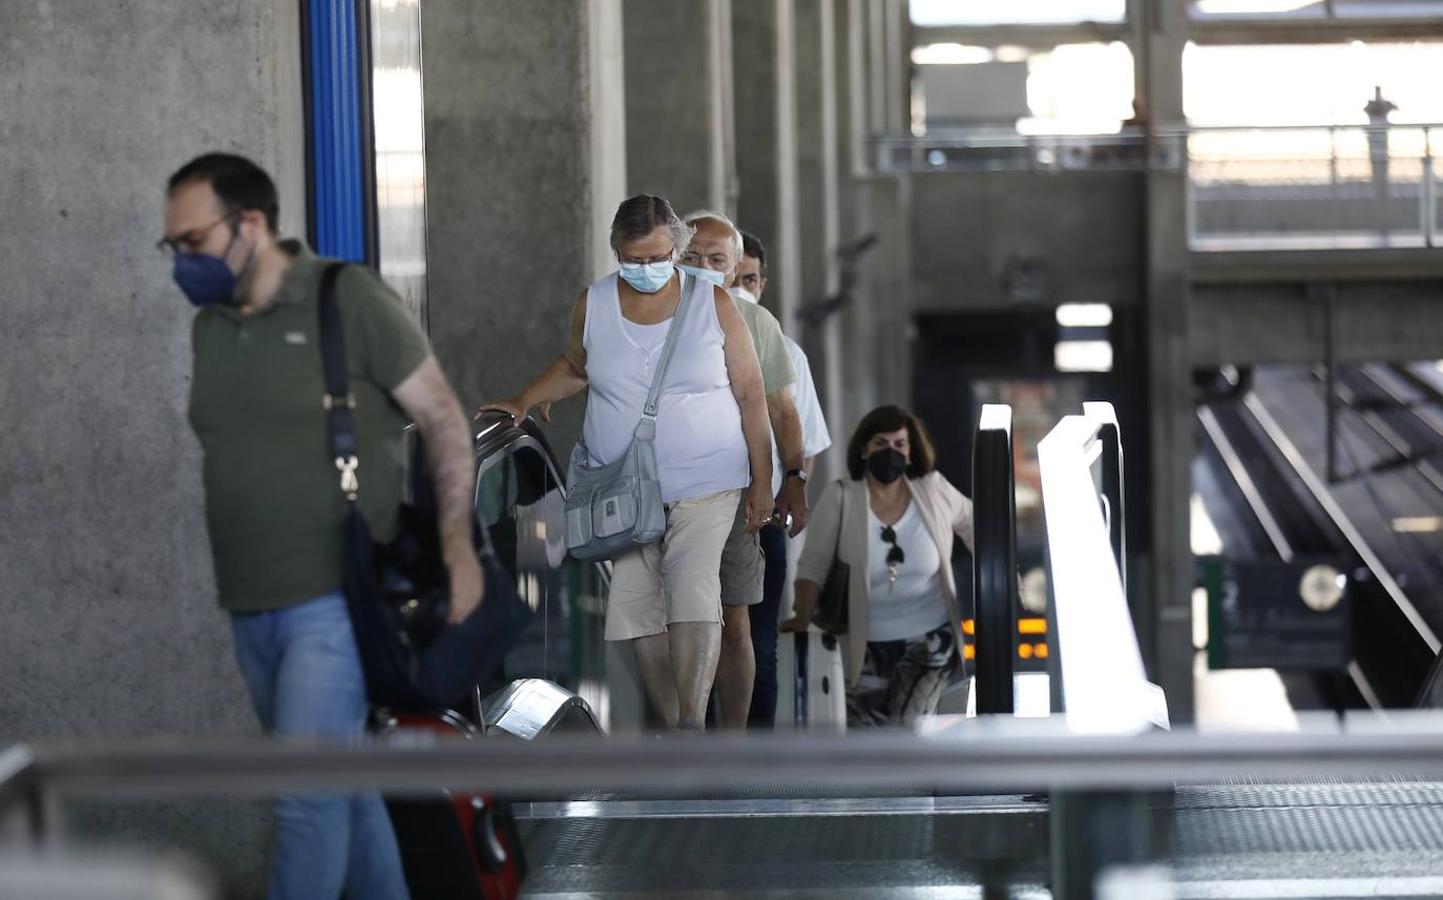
1359,185
1097,676
985,149
1248,187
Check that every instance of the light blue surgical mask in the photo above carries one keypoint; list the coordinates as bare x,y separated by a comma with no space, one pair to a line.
648,277
708,275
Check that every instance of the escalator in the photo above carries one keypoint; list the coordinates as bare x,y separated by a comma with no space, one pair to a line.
520,501
1243,838
1271,505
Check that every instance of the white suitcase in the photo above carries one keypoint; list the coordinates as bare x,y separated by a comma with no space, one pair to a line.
811,682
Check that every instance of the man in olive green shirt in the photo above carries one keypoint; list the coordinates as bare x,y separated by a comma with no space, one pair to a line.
274,507
713,254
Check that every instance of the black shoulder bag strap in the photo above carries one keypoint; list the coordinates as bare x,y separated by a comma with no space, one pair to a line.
338,401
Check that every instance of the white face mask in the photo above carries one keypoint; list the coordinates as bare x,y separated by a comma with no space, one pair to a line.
647,277
741,293
710,275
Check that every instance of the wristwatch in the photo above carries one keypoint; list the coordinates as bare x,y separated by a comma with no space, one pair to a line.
799,474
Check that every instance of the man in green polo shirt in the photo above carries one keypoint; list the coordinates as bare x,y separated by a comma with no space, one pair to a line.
273,504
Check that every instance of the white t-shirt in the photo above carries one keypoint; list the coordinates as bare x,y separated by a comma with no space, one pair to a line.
915,603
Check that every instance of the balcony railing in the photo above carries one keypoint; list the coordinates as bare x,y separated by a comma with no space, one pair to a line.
1248,187
1336,186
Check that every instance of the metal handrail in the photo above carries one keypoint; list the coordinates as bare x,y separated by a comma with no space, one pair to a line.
994,558
1002,754
1096,670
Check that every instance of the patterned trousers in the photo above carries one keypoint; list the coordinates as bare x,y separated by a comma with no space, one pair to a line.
902,680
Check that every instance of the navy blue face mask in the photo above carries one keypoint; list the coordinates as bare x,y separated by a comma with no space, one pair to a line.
206,280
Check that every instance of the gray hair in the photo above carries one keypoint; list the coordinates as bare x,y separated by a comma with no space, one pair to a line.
703,214
639,216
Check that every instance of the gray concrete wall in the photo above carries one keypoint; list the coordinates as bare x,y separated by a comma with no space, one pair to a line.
972,230
111,625
1287,323
514,193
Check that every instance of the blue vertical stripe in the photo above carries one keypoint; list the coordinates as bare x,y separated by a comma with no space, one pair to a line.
337,193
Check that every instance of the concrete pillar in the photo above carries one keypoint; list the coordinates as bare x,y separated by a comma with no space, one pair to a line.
898,73
111,626
763,51
1165,620
889,65
877,329
526,163
818,193
679,102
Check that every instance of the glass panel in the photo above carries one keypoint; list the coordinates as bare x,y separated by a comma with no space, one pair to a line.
400,148
522,511
1067,89
1010,12
520,502
1310,84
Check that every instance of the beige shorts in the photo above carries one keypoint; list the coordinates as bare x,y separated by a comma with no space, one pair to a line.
743,567
676,579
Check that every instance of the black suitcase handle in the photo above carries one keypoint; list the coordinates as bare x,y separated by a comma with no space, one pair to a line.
799,683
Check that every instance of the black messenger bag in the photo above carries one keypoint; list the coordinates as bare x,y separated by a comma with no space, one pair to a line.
398,593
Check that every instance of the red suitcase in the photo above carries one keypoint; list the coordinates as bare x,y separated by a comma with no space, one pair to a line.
462,846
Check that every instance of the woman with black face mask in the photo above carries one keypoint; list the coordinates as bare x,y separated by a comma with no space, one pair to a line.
891,528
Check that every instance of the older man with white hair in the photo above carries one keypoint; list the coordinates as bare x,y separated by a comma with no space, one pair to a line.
714,253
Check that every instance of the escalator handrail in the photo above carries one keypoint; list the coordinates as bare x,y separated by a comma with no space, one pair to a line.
994,559
1110,435
1096,671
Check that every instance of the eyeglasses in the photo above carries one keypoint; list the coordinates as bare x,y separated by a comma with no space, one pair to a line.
895,556
719,262
633,261
190,241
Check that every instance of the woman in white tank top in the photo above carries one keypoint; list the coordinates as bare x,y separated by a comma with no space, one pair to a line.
713,443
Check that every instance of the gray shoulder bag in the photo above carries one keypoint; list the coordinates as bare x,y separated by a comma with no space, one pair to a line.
613,508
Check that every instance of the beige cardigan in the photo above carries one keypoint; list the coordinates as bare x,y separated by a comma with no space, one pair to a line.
945,511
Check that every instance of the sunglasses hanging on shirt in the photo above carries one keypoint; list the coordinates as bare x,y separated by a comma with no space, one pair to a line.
895,556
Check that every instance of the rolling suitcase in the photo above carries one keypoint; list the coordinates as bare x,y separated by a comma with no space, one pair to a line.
465,846
814,661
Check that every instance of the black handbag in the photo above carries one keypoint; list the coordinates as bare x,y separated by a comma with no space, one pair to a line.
833,612
398,593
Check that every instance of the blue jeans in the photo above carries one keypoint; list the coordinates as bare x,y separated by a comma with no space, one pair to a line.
765,618
305,679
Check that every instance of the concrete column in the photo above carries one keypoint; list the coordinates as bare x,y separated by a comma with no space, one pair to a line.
525,138
111,626
1165,619
818,189
898,75
766,139
877,328
876,41
678,102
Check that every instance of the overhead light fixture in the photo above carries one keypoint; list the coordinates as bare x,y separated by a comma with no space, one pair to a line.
1084,315
951,55
1418,524
1011,53
1082,356
1251,7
